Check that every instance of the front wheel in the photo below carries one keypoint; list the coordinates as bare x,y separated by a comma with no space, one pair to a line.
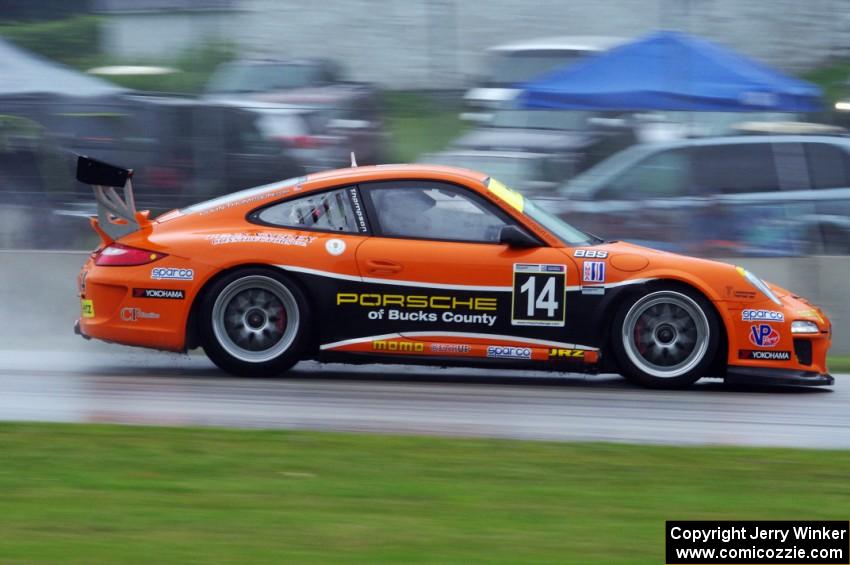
254,322
666,339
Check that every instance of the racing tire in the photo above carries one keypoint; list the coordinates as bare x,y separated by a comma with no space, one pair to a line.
666,338
254,323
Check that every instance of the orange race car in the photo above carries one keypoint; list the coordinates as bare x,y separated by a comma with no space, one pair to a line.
426,264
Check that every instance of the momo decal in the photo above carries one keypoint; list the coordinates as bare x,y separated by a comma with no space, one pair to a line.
170,293
508,352
539,295
764,355
261,237
591,253
763,335
172,273
398,346
750,315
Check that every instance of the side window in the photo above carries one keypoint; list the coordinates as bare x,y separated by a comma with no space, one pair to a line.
735,168
326,211
433,211
827,165
662,175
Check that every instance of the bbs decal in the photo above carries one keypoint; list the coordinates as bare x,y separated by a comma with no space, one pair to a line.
590,253
539,295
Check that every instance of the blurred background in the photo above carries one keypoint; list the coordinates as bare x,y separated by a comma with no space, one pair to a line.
707,127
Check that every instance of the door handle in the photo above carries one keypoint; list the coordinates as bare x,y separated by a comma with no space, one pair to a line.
382,267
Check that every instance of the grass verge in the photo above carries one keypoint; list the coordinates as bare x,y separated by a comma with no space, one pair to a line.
838,364
90,494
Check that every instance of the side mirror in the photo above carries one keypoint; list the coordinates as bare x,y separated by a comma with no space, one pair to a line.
517,237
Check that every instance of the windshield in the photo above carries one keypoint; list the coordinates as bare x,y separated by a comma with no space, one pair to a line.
509,67
554,225
248,77
540,119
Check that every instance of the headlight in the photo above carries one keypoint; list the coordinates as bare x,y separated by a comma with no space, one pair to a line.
804,327
759,284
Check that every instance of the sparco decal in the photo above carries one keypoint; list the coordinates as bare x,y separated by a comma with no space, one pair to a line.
506,352
764,355
763,335
161,273
170,293
762,316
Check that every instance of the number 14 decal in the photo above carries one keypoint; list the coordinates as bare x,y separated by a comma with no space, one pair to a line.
538,295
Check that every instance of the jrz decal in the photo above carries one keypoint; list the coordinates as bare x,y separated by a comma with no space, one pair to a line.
538,295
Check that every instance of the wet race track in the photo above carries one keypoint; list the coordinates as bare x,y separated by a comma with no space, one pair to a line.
139,387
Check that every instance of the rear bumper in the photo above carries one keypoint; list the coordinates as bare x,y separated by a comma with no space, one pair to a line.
781,377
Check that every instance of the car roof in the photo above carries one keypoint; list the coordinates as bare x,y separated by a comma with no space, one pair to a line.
400,171
566,43
483,154
279,61
743,139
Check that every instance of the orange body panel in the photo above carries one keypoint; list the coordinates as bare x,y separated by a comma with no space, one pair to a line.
201,243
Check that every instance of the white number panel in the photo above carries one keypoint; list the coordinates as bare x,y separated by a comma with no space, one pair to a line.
539,295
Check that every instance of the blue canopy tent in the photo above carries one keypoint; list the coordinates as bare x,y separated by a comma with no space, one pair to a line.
670,71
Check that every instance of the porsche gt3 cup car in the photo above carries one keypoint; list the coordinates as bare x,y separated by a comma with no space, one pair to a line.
426,264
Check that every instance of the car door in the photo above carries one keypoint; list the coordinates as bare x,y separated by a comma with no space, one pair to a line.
434,270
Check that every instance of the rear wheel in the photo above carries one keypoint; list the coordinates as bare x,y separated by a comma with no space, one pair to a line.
254,322
666,339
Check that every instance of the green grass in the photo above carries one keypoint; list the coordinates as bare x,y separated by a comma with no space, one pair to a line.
94,494
419,124
838,363
832,78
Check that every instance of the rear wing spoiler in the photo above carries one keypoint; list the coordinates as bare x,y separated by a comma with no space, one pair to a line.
116,213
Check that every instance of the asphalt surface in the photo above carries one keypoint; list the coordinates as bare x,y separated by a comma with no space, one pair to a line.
139,387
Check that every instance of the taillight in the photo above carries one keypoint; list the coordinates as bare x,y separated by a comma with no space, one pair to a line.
118,255
302,141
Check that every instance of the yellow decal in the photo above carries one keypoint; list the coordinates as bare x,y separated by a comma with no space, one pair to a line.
375,300
401,346
87,306
570,353
511,197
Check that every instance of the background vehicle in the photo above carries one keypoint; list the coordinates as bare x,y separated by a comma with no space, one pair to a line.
352,108
529,173
513,63
577,139
161,135
755,195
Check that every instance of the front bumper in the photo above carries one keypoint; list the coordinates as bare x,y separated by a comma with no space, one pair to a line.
773,377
